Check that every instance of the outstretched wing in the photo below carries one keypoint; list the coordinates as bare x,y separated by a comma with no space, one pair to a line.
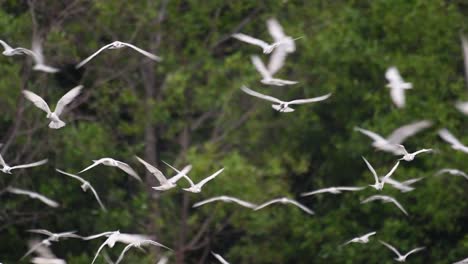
374,136
259,95
144,52
402,133
37,101
34,164
275,29
310,100
219,258
125,167
449,137
414,251
391,171
390,247
372,170
393,75
251,40
263,205
79,65
301,206
260,66
399,206
209,178
157,173
277,59
67,98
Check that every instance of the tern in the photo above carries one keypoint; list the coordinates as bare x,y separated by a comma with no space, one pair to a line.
267,77
113,163
7,169
450,138
33,195
85,186
219,258
362,239
44,254
334,190
45,243
55,122
138,244
227,199
378,185
454,172
282,106
397,86
396,137
119,45
166,184
401,258
410,156
9,51
196,188
285,200
385,199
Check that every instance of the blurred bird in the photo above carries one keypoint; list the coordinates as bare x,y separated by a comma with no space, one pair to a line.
454,172
44,254
38,56
45,243
450,138
219,258
362,239
397,86
385,199
9,51
33,195
396,137
401,258
7,169
402,186
410,156
379,184
113,163
55,122
282,106
267,77
227,199
285,200
166,184
119,45
334,190
138,244
196,188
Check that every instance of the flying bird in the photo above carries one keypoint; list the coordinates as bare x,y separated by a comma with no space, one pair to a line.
33,195
385,199
10,51
55,122
396,137
267,48
226,199
85,186
219,258
55,236
119,45
196,188
138,244
334,190
410,156
267,77
166,184
44,254
7,169
38,56
401,258
379,184
362,239
452,140
285,200
114,163
282,106
454,172
397,86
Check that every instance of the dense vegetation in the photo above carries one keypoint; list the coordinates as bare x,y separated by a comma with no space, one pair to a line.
189,109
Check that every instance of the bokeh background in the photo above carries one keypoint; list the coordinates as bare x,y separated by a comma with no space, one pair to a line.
189,109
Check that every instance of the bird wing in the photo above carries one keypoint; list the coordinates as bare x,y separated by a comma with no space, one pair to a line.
99,235
259,95
398,96
124,251
179,172
5,45
393,75
241,202
67,98
401,134
37,101
125,167
464,40
372,170
303,207
391,171
422,151
34,248
350,188
263,205
72,175
97,198
260,66
369,234
310,100
42,250
157,173
277,59
414,251
210,200
46,200
2,162
29,165
449,137
411,181
144,52
371,198
251,40
209,178
95,163
219,258
275,29
41,231
79,65
99,249
33,195
399,205
324,190
373,135
390,247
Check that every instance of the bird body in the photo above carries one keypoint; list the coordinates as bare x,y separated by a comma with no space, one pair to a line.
379,184
362,239
227,199
410,156
400,258
397,86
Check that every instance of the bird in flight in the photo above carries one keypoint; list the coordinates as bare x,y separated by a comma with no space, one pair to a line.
114,163
55,122
267,77
385,199
44,254
7,169
454,142
119,45
226,199
33,195
138,244
282,106
410,156
166,184
362,239
285,200
401,258
52,237
454,172
196,188
379,184
334,190
397,86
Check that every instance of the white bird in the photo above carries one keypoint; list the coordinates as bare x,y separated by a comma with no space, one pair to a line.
219,258
334,190
450,138
379,184
33,195
138,244
362,239
38,56
385,199
410,156
114,163
85,186
44,254
55,236
463,261
166,184
10,51
196,188
119,45
7,169
397,86
401,258
277,32
396,137
267,48
282,106
285,200
454,172
227,199
55,122
267,77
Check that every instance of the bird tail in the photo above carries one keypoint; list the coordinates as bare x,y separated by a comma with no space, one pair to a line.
56,124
